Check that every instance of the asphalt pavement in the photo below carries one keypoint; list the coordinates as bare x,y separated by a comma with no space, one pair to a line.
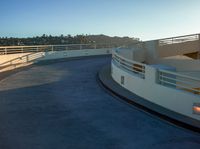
62,106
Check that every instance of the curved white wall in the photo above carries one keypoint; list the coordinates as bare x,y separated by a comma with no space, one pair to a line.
173,99
75,53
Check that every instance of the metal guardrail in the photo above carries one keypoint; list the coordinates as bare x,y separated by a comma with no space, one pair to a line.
178,39
45,48
179,81
135,67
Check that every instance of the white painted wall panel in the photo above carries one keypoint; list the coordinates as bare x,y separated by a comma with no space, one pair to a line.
170,98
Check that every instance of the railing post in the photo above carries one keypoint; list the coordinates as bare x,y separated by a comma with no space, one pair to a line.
95,46
66,47
198,56
22,50
5,50
27,59
80,47
52,48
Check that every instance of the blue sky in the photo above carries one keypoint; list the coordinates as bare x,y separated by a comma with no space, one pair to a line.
145,19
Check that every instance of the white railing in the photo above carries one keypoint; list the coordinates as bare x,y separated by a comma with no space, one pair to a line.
45,48
132,66
20,61
34,53
179,39
164,77
179,81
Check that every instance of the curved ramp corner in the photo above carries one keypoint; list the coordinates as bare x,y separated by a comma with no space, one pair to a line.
106,80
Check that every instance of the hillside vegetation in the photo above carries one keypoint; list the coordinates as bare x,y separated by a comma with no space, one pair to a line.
57,40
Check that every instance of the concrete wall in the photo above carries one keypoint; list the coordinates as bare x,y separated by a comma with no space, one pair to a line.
173,99
178,48
75,53
41,56
151,51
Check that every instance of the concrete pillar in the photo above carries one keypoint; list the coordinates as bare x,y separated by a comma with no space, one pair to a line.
151,50
199,47
151,76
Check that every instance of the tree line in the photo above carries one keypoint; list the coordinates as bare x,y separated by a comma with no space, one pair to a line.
69,39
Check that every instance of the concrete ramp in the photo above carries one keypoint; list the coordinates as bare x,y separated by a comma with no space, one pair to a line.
61,106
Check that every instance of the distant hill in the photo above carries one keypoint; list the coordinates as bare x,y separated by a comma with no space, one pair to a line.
78,39
108,39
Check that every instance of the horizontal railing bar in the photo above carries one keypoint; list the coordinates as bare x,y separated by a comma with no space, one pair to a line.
180,75
178,39
179,36
19,47
179,81
17,58
37,48
177,85
131,65
132,70
9,47
129,60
